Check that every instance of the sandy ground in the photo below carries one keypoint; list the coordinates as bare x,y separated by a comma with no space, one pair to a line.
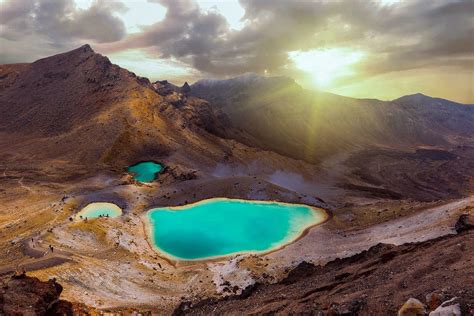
107,263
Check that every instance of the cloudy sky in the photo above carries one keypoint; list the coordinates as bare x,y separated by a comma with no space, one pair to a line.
362,48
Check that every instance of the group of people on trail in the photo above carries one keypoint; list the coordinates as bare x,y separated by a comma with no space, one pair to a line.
51,248
101,215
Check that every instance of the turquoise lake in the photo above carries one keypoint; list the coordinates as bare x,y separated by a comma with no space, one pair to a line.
145,171
219,227
94,210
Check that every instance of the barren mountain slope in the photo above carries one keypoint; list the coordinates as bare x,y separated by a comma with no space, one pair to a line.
80,108
413,147
312,125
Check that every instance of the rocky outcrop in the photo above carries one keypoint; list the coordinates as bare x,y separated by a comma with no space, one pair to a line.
176,173
185,89
464,223
302,270
23,295
163,87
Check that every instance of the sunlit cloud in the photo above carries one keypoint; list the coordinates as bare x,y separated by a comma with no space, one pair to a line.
138,13
327,65
388,2
330,45
142,13
230,9
143,64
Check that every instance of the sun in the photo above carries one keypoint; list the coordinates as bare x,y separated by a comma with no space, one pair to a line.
325,66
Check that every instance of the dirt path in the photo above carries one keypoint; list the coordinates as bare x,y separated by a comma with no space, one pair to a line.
39,257
20,182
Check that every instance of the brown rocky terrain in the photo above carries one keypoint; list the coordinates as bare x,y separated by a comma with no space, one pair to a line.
374,282
388,172
414,147
83,109
24,295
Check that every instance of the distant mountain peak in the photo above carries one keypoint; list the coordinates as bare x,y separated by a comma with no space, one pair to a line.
86,48
419,94
414,96
186,89
246,80
76,55
423,99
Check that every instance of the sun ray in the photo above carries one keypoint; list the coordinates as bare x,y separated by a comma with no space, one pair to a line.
325,66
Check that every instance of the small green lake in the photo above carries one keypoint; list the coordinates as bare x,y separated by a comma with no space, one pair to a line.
98,209
145,171
220,227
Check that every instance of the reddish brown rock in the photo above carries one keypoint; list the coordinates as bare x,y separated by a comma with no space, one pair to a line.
433,300
23,295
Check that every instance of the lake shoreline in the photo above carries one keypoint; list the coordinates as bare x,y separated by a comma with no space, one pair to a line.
148,229
115,210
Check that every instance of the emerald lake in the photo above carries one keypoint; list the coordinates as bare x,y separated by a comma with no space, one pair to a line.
145,171
219,227
97,209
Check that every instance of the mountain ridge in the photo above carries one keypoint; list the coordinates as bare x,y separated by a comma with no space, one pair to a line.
249,106
246,77
420,97
74,96
254,77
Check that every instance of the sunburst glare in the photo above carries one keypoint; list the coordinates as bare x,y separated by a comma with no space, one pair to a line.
326,66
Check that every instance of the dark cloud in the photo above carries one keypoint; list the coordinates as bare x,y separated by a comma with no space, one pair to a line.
402,36
406,35
57,24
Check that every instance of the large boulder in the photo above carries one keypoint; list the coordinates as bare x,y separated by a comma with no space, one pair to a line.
412,307
448,308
